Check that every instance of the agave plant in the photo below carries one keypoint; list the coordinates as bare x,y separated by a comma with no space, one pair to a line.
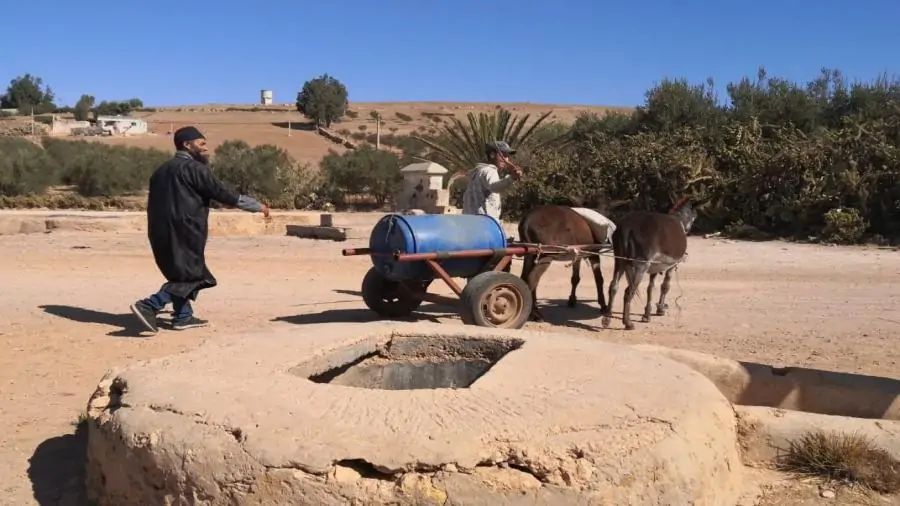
462,145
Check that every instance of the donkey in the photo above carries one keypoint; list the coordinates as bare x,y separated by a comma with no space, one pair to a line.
561,226
649,243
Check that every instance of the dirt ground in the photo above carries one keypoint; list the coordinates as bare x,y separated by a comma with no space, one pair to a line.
64,319
270,126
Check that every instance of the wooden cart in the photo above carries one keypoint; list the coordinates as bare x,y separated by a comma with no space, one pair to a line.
492,298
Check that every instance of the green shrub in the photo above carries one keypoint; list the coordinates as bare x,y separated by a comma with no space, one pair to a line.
25,168
265,171
100,170
844,226
362,171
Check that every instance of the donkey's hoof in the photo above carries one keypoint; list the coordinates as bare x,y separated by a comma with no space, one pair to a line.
605,321
572,303
645,318
660,311
629,326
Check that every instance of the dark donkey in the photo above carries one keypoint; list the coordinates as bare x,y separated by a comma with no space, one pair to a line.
649,243
558,226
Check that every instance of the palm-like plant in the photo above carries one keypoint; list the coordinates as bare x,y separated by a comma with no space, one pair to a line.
462,145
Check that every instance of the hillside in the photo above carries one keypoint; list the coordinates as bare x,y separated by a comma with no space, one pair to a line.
258,124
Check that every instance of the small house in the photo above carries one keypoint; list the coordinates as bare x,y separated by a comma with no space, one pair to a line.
122,125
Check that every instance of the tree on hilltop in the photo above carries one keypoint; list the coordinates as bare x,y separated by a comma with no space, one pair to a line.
83,107
27,92
323,99
116,108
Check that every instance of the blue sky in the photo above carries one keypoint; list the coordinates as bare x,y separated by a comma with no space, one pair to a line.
170,52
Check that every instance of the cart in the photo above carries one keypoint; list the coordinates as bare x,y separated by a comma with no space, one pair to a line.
490,298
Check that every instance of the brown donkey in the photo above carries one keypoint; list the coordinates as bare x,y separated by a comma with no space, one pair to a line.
649,243
557,225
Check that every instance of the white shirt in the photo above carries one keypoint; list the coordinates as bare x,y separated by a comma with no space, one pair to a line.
483,190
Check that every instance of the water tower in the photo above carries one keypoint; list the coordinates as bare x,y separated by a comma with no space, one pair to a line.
265,97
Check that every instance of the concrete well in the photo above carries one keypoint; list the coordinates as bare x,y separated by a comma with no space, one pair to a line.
375,414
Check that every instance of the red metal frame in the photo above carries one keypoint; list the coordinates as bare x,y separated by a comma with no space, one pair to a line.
514,249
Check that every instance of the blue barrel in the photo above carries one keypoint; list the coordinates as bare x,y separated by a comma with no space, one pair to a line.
433,233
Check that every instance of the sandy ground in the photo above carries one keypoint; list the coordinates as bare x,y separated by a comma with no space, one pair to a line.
65,319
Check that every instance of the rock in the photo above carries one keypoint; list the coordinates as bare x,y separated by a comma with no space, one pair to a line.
278,418
827,494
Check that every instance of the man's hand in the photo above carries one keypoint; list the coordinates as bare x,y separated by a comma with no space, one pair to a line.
514,170
508,165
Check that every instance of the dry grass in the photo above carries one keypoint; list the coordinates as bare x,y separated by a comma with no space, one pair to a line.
849,458
269,124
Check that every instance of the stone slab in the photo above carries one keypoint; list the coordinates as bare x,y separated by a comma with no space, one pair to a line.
221,223
317,232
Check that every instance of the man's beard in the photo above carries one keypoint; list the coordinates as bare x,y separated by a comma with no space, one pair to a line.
200,157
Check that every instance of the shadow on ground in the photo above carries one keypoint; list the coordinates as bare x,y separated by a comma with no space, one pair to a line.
362,316
556,312
57,469
126,322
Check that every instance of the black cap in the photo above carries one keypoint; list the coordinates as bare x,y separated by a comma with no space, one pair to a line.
500,146
186,134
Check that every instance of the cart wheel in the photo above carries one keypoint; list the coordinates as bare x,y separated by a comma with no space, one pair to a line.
496,299
388,298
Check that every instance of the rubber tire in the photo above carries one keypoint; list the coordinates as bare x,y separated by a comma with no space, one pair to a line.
375,288
481,285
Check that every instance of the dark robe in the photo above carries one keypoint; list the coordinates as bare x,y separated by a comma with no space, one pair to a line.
177,213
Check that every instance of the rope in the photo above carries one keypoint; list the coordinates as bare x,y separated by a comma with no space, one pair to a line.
680,291
581,254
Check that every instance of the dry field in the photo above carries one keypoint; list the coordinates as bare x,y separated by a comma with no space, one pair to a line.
271,125
64,320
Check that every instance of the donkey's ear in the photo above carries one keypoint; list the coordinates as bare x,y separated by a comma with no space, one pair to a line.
673,198
618,203
576,201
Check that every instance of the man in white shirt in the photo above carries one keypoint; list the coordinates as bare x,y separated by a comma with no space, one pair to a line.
482,195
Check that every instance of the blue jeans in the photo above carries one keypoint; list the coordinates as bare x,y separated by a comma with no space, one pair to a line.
182,309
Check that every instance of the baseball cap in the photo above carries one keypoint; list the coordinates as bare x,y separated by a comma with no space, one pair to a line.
500,146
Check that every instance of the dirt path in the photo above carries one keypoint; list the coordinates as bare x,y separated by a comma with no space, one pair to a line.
64,319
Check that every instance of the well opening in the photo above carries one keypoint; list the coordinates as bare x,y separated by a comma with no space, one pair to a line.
420,362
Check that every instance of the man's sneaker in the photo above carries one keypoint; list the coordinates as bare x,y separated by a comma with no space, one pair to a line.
189,323
145,315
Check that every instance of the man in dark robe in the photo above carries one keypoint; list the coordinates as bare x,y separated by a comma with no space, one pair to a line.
177,212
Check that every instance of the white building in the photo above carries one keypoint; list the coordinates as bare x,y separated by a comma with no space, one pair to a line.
122,125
